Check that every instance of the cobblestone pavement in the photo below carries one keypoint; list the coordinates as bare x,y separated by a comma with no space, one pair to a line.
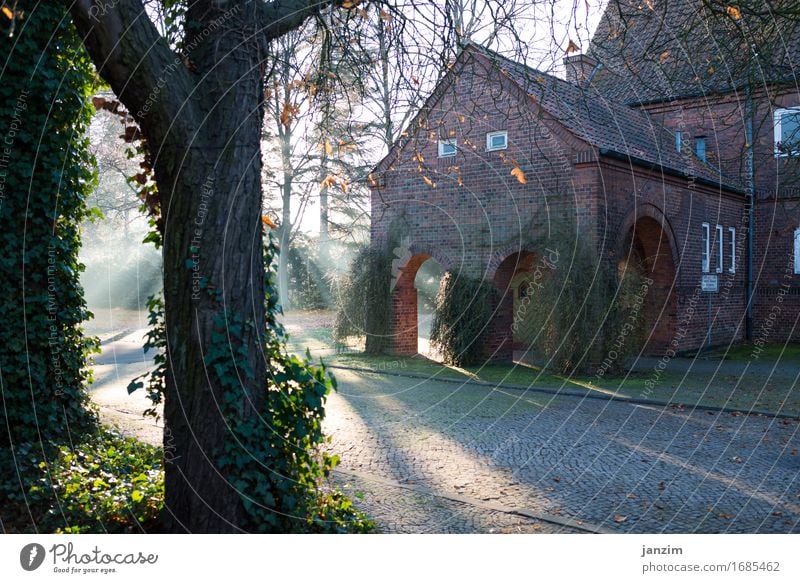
611,466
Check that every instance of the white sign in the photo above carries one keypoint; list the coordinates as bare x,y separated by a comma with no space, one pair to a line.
710,283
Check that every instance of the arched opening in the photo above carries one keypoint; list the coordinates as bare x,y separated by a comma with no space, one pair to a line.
414,289
647,249
516,279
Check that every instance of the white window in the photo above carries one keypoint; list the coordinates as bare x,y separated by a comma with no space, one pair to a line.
732,243
447,148
797,250
720,250
706,249
787,132
496,141
700,147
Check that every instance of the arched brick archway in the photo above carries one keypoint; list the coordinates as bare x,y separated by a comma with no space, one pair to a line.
649,247
500,340
404,317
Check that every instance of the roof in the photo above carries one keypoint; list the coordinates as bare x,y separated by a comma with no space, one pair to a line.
659,50
612,127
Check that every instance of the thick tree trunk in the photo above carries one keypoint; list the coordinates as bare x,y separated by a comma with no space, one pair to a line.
214,295
201,117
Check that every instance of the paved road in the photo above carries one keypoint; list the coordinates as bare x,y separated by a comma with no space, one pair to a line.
429,456
616,466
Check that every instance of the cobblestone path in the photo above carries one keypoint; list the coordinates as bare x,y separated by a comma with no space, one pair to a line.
429,456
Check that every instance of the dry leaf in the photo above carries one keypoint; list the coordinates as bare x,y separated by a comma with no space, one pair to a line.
7,12
619,519
385,16
664,56
572,47
348,4
733,12
268,222
429,182
519,175
418,157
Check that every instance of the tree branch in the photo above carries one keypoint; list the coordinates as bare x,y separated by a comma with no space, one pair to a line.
137,62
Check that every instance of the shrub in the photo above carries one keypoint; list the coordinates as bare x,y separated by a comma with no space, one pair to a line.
363,305
582,309
460,322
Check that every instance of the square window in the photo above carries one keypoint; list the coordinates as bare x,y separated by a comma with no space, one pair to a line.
496,141
448,148
787,132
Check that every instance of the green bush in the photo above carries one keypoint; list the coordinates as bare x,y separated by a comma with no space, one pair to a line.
105,483
363,302
460,322
582,310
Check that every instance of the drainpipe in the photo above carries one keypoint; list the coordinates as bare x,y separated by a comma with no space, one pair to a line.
750,209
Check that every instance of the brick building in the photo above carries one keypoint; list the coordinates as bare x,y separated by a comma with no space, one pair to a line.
660,161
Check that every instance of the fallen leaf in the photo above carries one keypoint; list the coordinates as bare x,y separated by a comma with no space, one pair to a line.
619,519
268,222
664,56
662,486
556,479
733,12
7,12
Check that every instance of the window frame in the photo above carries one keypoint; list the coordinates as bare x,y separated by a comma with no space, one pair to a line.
701,148
705,249
678,141
448,142
719,235
732,243
490,135
797,251
777,118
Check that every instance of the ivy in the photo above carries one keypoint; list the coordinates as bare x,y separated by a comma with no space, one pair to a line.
276,458
46,175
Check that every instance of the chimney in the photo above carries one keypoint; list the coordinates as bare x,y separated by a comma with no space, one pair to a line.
579,67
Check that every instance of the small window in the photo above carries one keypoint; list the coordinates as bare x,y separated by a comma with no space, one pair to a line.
732,243
787,132
706,248
700,148
678,141
448,148
496,141
720,250
797,251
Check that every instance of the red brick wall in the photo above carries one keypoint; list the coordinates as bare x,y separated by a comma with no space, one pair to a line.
470,213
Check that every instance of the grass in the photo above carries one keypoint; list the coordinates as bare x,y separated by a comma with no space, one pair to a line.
753,391
769,353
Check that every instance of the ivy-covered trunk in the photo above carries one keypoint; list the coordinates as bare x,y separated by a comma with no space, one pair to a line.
45,177
214,294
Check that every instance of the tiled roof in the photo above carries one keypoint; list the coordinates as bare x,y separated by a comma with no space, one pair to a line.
658,50
608,125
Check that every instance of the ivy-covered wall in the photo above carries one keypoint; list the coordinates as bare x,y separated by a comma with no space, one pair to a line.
46,173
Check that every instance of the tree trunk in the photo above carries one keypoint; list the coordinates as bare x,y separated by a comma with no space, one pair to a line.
201,116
